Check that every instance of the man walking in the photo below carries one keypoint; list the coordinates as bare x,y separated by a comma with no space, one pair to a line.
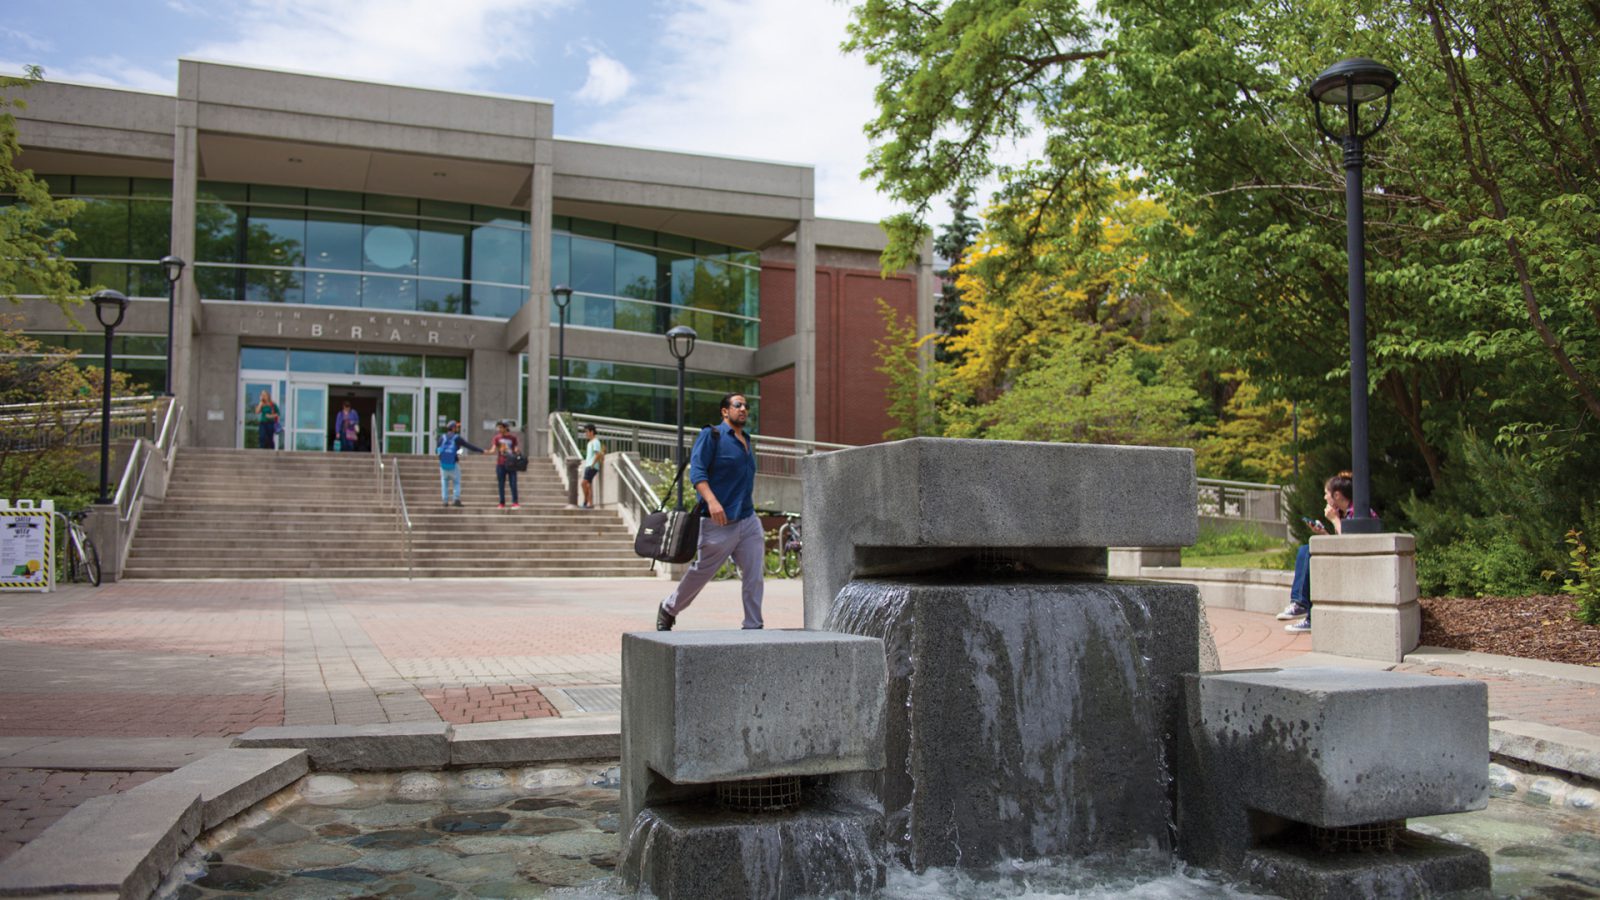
451,444
722,468
593,454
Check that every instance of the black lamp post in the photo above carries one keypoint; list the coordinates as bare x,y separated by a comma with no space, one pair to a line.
563,296
172,267
109,308
680,340
1348,84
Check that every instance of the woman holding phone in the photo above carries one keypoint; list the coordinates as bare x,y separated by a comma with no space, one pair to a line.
1336,494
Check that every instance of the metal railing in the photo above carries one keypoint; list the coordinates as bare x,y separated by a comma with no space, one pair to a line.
377,457
130,496
44,426
778,456
403,518
394,497
1246,501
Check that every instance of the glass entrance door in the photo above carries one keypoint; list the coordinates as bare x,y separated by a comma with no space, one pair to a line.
446,409
310,417
400,422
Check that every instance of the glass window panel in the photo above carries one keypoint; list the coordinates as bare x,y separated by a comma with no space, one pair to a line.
442,250
333,199
636,273
593,266
707,248
496,255
263,358
440,296
150,229
497,302
682,275
446,367
387,292
217,190
387,204
439,209
143,345
102,230
640,317
333,241
499,215
148,280
273,286
148,375
675,242
331,361
390,245
216,232
152,187
389,364
101,185
324,289
594,312
591,228
277,195
560,260
627,234
108,275
58,185
276,237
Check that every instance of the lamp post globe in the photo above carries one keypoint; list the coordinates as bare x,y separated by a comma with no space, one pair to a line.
109,308
562,296
680,342
1347,85
172,267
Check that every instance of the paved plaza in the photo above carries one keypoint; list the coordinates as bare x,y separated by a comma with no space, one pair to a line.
104,688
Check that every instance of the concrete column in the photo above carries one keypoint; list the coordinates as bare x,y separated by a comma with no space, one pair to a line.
539,213
1364,595
185,187
805,327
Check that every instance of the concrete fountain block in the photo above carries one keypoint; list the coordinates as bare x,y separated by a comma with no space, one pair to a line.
1336,747
359,748
700,707
118,844
936,495
231,781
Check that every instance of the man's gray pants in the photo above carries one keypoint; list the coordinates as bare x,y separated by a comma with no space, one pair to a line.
747,544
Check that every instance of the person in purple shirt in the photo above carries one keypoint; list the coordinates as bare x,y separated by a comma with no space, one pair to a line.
347,427
722,468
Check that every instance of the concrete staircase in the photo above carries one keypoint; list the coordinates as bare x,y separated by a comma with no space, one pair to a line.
253,514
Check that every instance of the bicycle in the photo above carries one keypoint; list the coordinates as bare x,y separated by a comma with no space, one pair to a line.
789,546
80,550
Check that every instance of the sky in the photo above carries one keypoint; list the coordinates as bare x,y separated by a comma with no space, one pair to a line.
754,78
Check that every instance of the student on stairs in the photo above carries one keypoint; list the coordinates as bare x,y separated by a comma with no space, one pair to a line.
451,443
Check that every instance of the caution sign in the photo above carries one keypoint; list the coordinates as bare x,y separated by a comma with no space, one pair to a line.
27,547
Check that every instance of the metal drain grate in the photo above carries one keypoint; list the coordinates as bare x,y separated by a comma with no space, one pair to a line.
1371,838
760,794
596,699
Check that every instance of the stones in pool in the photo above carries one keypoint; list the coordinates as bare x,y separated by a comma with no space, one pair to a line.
416,835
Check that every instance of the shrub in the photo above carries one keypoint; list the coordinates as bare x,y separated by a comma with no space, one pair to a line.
1584,585
1226,540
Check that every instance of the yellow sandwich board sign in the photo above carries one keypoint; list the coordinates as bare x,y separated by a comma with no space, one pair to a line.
27,545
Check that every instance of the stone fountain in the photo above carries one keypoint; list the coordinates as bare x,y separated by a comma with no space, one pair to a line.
972,689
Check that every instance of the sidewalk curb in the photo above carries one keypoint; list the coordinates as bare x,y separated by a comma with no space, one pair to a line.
1511,665
1561,749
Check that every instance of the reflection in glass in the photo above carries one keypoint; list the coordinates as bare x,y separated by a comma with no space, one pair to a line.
390,364
331,361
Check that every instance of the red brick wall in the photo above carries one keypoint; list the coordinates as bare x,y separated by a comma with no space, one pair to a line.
850,395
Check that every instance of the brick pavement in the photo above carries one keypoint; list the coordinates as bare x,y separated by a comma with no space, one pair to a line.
31,800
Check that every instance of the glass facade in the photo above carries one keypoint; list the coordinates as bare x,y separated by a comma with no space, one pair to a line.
646,393
142,356
124,228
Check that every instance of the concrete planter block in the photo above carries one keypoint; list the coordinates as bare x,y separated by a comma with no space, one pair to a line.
360,748
701,707
231,781
1126,562
121,844
535,740
939,495
1329,747
1424,867
1364,596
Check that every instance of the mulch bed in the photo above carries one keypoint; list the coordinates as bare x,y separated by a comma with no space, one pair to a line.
1539,627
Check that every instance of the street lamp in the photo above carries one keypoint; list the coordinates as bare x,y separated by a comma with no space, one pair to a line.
1348,84
680,340
172,266
109,308
563,296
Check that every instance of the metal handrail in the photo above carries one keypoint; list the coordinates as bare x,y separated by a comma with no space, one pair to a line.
403,516
1243,500
637,498
377,456
778,456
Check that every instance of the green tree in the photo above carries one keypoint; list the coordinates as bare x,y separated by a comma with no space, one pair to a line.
913,393
33,225
951,245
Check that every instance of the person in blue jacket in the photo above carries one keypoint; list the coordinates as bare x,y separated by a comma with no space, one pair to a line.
451,446
722,468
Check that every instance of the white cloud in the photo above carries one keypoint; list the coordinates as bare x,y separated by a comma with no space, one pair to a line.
404,41
759,78
608,80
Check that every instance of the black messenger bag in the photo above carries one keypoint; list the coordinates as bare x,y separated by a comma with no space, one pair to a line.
671,535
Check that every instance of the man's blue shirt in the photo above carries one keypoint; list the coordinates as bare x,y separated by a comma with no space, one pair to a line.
733,478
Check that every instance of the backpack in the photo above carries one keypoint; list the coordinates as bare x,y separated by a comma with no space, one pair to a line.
447,449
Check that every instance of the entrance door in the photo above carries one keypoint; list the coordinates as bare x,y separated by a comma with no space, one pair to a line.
310,417
446,408
250,436
400,421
